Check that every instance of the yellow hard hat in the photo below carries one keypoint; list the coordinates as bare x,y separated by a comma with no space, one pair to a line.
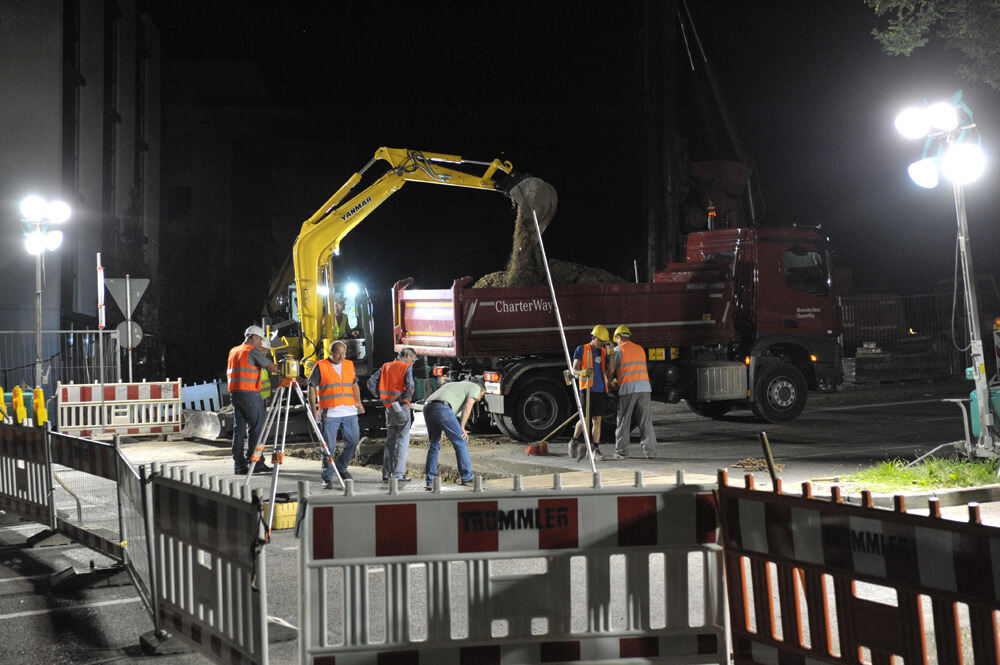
600,332
621,330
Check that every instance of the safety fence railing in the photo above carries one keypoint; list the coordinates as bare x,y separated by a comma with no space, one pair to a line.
119,408
192,547
205,396
888,337
582,575
67,356
820,581
210,566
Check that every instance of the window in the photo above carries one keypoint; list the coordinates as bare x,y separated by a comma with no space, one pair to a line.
806,271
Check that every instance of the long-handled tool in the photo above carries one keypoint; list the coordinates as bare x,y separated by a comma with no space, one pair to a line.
281,408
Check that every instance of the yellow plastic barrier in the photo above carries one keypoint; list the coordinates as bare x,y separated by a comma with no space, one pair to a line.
18,405
3,403
38,406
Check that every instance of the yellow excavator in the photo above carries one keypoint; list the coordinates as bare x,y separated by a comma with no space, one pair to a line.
312,301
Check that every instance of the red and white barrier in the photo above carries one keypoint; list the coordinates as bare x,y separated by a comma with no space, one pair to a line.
535,613
820,581
210,582
121,408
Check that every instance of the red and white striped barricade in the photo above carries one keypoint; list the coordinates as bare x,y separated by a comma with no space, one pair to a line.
121,408
25,481
819,581
211,583
85,473
582,575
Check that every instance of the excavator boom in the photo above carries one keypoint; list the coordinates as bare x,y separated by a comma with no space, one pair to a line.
321,234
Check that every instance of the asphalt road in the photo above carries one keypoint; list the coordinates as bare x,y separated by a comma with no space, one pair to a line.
834,436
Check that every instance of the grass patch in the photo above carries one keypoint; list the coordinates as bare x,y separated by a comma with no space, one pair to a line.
930,474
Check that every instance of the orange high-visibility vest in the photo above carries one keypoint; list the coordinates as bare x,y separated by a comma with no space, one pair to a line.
392,382
336,390
241,374
633,365
587,362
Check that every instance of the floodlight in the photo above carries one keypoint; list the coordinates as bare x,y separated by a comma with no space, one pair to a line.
913,123
53,239
943,116
33,208
963,163
924,173
58,212
34,242
351,290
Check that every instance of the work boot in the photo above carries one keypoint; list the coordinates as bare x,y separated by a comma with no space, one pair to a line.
240,469
598,456
581,452
573,445
260,467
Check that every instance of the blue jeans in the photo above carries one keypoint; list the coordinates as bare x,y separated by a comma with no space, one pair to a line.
331,425
248,410
440,418
397,442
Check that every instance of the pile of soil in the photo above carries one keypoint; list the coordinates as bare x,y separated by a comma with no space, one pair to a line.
563,272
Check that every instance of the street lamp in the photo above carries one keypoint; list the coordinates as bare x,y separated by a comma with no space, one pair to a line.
952,149
38,215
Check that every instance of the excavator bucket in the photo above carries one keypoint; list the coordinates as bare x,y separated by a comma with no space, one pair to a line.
537,195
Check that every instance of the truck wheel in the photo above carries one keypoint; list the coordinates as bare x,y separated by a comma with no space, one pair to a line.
779,393
506,426
539,407
711,409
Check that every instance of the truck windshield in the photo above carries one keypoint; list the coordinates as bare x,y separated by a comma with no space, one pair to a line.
806,271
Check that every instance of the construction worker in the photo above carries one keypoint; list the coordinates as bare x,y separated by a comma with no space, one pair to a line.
341,324
634,394
592,376
335,399
393,383
441,412
243,376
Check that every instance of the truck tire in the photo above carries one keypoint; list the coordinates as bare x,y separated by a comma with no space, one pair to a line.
539,407
779,393
711,409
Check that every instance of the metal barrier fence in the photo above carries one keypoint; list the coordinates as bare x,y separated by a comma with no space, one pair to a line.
212,585
85,495
813,581
205,396
194,553
591,575
67,356
25,476
890,337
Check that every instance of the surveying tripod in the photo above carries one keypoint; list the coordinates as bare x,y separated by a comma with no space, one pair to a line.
282,406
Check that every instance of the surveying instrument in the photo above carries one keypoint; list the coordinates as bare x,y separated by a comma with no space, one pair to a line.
277,421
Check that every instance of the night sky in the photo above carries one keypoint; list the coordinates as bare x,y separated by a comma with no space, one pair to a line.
555,87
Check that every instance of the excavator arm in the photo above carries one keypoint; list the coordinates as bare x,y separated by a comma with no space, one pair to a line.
321,234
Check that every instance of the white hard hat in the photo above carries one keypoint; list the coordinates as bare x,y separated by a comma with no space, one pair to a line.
254,330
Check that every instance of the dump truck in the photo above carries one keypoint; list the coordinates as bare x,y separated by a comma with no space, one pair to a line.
749,317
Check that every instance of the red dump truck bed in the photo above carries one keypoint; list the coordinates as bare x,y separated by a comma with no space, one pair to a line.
693,308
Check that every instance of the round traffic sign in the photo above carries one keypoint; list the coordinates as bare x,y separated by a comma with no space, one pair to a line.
123,334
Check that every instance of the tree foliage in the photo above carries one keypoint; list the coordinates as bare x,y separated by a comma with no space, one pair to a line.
972,27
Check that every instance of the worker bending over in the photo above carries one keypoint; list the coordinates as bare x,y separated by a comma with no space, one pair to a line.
592,375
634,394
393,383
243,377
335,399
441,412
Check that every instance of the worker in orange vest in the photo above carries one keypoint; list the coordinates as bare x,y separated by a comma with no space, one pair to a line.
634,394
592,365
243,375
393,384
335,399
